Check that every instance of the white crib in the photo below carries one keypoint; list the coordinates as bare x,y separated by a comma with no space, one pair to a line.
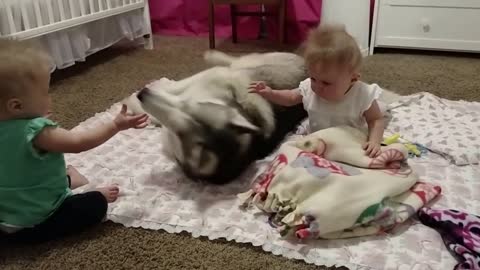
65,21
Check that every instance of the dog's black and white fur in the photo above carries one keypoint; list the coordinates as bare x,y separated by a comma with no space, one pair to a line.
214,128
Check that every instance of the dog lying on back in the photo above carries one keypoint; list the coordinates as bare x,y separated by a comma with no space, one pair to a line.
213,127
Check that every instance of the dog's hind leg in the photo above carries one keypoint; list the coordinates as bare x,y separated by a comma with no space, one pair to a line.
178,87
217,58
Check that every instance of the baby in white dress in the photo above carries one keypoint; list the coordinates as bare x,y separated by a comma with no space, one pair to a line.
333,95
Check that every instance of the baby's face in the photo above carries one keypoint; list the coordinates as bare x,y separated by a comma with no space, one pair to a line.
331,82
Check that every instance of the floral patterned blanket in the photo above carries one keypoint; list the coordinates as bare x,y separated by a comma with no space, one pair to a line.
460,232
324,186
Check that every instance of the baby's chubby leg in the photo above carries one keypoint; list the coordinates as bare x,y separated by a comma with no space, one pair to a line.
77,180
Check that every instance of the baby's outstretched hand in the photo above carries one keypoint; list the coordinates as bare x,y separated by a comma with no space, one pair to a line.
125,121
259,88
372,149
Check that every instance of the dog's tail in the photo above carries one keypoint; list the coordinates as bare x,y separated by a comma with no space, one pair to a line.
218,58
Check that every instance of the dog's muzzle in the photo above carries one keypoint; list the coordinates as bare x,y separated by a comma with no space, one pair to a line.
143,93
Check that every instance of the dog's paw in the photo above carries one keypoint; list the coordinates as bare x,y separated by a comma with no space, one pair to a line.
209,55
217,58
162,83
165,80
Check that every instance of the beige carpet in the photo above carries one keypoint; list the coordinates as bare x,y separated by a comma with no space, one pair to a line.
81,91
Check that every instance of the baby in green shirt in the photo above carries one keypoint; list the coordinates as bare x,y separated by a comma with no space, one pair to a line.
36,202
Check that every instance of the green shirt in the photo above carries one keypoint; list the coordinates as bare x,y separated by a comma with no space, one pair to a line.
33,184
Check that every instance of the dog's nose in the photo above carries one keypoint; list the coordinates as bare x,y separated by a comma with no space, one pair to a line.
141,95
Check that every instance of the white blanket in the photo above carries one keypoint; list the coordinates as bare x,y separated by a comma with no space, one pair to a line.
450,128
155,195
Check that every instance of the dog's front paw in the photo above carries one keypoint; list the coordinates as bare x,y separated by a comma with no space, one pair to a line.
209,55
160,84
165,80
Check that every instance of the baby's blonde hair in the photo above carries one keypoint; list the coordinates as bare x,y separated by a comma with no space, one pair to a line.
330,44
20,64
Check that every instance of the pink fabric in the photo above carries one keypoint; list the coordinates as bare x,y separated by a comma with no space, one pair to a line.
190,18
301,16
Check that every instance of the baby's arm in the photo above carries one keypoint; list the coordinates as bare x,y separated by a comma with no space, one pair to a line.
376,128
280,97
54,139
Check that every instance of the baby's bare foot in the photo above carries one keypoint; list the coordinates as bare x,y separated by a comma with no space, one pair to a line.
76,178
109,192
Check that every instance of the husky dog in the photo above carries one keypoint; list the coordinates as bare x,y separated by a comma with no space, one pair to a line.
213,127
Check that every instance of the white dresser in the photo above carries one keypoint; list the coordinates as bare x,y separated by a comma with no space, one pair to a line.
452,25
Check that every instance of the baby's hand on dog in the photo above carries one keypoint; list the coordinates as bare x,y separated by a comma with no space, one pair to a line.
259,88
372,149
125,121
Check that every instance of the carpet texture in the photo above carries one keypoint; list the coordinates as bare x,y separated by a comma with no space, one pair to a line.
87,88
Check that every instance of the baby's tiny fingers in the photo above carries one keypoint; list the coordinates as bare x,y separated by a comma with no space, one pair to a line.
144,117
261,86
364,146
138,117
142,125
369,149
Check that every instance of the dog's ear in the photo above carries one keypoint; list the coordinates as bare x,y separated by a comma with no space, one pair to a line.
241,123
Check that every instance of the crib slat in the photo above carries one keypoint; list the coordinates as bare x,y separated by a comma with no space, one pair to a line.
62,10
73,8
92,6
100,5
109,4
51,18
11,24
38,14
26,20
83,10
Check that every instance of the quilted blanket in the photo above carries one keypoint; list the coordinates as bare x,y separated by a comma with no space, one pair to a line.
324,186
449,128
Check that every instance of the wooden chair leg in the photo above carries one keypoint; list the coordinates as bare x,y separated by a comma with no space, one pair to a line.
233,15
281,21
211,24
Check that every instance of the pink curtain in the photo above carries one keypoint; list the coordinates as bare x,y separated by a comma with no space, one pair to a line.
190,18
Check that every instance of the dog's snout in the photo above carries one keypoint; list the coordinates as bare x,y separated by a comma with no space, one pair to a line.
141,95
